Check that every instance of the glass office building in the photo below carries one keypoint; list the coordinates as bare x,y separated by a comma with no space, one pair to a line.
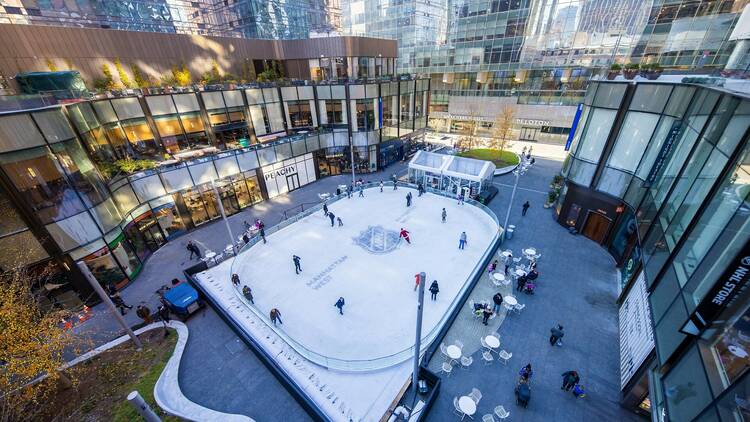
657,174
64,202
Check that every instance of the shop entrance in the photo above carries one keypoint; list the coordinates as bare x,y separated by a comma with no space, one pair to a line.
529,134
292,181
596,227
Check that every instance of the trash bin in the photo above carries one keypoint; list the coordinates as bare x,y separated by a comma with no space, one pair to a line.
509,231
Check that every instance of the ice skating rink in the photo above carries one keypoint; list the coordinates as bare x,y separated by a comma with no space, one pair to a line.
380,312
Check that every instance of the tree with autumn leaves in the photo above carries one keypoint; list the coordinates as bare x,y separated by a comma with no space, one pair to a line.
32,347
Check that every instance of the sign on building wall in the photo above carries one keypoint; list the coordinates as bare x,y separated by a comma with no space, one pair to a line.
666,149
573,127
636,334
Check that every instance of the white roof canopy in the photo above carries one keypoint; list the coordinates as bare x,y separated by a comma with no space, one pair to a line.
451,165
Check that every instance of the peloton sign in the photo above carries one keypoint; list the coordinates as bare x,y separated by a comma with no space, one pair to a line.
726,291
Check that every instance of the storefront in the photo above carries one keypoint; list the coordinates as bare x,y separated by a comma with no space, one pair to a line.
288,175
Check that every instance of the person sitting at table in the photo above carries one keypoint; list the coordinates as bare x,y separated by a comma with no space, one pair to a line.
533,274
486,314
521,283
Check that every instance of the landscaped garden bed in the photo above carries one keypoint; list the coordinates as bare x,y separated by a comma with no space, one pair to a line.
499,158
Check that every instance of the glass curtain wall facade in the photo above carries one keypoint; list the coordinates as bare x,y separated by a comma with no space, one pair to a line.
667,165
57,164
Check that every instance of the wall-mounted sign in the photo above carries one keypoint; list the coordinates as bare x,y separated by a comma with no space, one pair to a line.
284,171
666,148
573,127
532,122
723,294
636,334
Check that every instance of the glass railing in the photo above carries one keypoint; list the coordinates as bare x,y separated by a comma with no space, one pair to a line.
381,361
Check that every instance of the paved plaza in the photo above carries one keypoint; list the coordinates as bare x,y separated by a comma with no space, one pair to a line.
577,288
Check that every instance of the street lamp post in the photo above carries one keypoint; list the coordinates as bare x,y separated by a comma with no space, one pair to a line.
351,154
520,170
418,341
223,214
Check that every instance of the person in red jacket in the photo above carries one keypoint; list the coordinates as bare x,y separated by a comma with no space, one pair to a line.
405,235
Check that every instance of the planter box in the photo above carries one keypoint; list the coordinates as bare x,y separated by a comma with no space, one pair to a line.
612,74
651,75
630,73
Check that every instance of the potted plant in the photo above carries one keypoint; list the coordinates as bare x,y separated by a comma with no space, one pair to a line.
614,70
630,71
651,71
551,197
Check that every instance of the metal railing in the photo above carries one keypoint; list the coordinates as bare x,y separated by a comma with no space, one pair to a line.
382,361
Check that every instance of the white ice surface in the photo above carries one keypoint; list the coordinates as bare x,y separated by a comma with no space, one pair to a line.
380,309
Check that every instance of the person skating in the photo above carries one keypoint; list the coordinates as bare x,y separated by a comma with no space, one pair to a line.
341,223
361,191
526,206
444,215
381,186
556,334
276,316
570,378
408,199
332,217
434,289
235,279
262,233
416,281
248,293
460,198
340,304
325,210
462,240
497,302
193,250
245,238
143,313
297,266
486,314
405,235
119,303
420,189
349,191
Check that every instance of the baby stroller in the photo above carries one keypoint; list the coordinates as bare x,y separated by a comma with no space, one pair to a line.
529,288
523,393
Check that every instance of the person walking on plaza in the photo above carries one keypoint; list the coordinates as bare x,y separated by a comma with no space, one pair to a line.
235,279
526,206
143,313
405,235
297,266
248,293
119,303
325,209
508,260
486,314
276,316
332,217
434,289
570,378
556,334
444,215
381,186
462,240
340,304
341,223
193,250
525,373
262,233
361,191
497,302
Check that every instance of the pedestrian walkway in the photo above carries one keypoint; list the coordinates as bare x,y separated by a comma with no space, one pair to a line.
577,288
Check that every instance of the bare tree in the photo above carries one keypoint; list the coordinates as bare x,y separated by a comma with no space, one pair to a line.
502,127
469,140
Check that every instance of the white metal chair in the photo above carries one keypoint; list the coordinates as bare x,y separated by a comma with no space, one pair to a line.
519,307
487,357
536,257
459,343
508,307
229,250
475,395
484,344
517,260
444,350
504,355
447,369
457,409
501,413
466,361
488,418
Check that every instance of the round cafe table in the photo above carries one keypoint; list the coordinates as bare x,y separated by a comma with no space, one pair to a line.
498,276
510,300
520,273
492,341
210,255
454,352
506,254
529,251
467,405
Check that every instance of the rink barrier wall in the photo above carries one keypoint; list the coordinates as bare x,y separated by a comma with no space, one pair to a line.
307,403
395,358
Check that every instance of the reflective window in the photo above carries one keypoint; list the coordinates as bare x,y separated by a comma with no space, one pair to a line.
609,95
54,125
20,249
686,387
596,133
650,97
18,132
81,171
632,140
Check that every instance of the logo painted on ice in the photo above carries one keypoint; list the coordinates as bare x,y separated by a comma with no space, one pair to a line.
376,239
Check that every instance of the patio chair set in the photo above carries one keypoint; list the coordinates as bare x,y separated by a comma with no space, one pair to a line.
467,406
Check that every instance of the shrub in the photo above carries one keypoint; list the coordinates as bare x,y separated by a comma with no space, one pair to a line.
615,66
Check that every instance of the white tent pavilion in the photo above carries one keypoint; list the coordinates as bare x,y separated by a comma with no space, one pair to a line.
450,173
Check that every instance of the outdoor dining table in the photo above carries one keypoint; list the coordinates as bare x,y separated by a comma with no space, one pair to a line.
510,300
506,254
454,352
467,405
520,272
492,341
498,276
529,251
211,255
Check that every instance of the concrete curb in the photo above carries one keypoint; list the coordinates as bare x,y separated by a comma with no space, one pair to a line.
167,391
508,169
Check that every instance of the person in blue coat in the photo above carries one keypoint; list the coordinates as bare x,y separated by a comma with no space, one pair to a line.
340,304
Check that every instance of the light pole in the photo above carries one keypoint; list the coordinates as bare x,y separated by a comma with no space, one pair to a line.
418,341
520,170
223,214
351,154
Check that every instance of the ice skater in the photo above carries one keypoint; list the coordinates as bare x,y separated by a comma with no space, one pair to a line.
297,266
395,181
349,191
248,294
235,279
381,186
332,217
405,235
341,223
361,191
276,316
420,189
444,214
460,198
462,240
434,289
416,281
408,199
340,304
325,210
262,233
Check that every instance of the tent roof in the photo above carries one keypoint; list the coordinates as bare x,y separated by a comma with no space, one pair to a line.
451,165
